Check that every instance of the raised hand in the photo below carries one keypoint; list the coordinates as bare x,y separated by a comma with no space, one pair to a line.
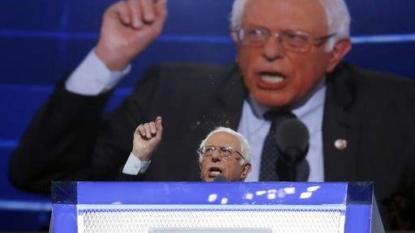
146,138
127,29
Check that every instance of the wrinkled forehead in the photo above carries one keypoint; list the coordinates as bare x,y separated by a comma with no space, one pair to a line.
223,139
307,15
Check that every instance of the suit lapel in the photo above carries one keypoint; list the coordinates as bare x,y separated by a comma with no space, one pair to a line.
340,128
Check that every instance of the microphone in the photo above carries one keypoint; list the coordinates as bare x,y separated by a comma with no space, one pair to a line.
292,139
220,178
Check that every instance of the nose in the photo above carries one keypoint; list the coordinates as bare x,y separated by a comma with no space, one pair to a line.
216,155
272,48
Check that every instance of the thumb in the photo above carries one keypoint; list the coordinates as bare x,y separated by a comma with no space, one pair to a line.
159,126
161,11
161,7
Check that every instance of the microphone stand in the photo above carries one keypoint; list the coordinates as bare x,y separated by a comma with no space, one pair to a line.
291,158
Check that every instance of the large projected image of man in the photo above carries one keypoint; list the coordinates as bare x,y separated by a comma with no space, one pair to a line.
289,59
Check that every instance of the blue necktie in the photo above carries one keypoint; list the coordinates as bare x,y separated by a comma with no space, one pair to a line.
273,167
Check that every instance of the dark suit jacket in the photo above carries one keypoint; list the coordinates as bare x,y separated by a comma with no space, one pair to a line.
67,141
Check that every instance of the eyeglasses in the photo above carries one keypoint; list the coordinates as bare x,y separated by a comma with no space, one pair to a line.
224,151
295,41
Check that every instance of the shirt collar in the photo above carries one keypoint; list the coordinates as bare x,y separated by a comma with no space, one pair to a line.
314,100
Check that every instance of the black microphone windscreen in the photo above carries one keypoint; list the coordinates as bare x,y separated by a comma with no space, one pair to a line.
220,178
292,134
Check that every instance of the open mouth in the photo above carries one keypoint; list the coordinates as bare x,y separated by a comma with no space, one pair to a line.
214,171
272,78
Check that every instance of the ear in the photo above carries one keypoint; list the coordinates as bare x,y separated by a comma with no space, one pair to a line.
233,35
235,42
341,48
246,170
200,169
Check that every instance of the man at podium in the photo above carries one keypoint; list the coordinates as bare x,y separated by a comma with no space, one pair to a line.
224,155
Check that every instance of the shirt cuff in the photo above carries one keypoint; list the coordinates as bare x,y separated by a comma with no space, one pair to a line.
135,166
92,77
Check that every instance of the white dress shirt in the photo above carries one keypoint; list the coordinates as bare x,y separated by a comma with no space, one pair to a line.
92,77
255,128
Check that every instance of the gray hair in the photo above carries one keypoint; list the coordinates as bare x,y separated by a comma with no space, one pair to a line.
245,148
338,18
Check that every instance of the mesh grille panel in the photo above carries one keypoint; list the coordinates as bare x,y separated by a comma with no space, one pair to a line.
151,220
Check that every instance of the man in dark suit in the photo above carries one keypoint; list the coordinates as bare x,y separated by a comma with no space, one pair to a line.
224,155
289,57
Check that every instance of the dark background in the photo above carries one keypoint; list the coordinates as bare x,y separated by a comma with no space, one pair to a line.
42,40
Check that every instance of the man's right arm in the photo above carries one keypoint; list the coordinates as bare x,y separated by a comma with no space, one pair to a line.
147,137
59,142
128,28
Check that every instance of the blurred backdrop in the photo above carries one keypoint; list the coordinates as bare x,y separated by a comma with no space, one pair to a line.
42,40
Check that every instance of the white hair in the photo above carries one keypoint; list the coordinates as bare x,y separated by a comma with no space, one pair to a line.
245,148
338,18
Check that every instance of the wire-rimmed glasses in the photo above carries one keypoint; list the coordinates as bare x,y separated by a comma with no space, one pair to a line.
224,151
292,40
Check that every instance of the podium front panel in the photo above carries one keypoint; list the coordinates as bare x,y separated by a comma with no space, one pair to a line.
210,207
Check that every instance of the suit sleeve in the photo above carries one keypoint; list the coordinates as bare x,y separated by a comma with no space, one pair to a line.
70,140
57,141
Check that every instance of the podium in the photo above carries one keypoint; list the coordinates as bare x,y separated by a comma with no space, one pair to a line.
224,207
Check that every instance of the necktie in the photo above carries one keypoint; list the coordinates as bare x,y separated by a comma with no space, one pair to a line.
273,168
